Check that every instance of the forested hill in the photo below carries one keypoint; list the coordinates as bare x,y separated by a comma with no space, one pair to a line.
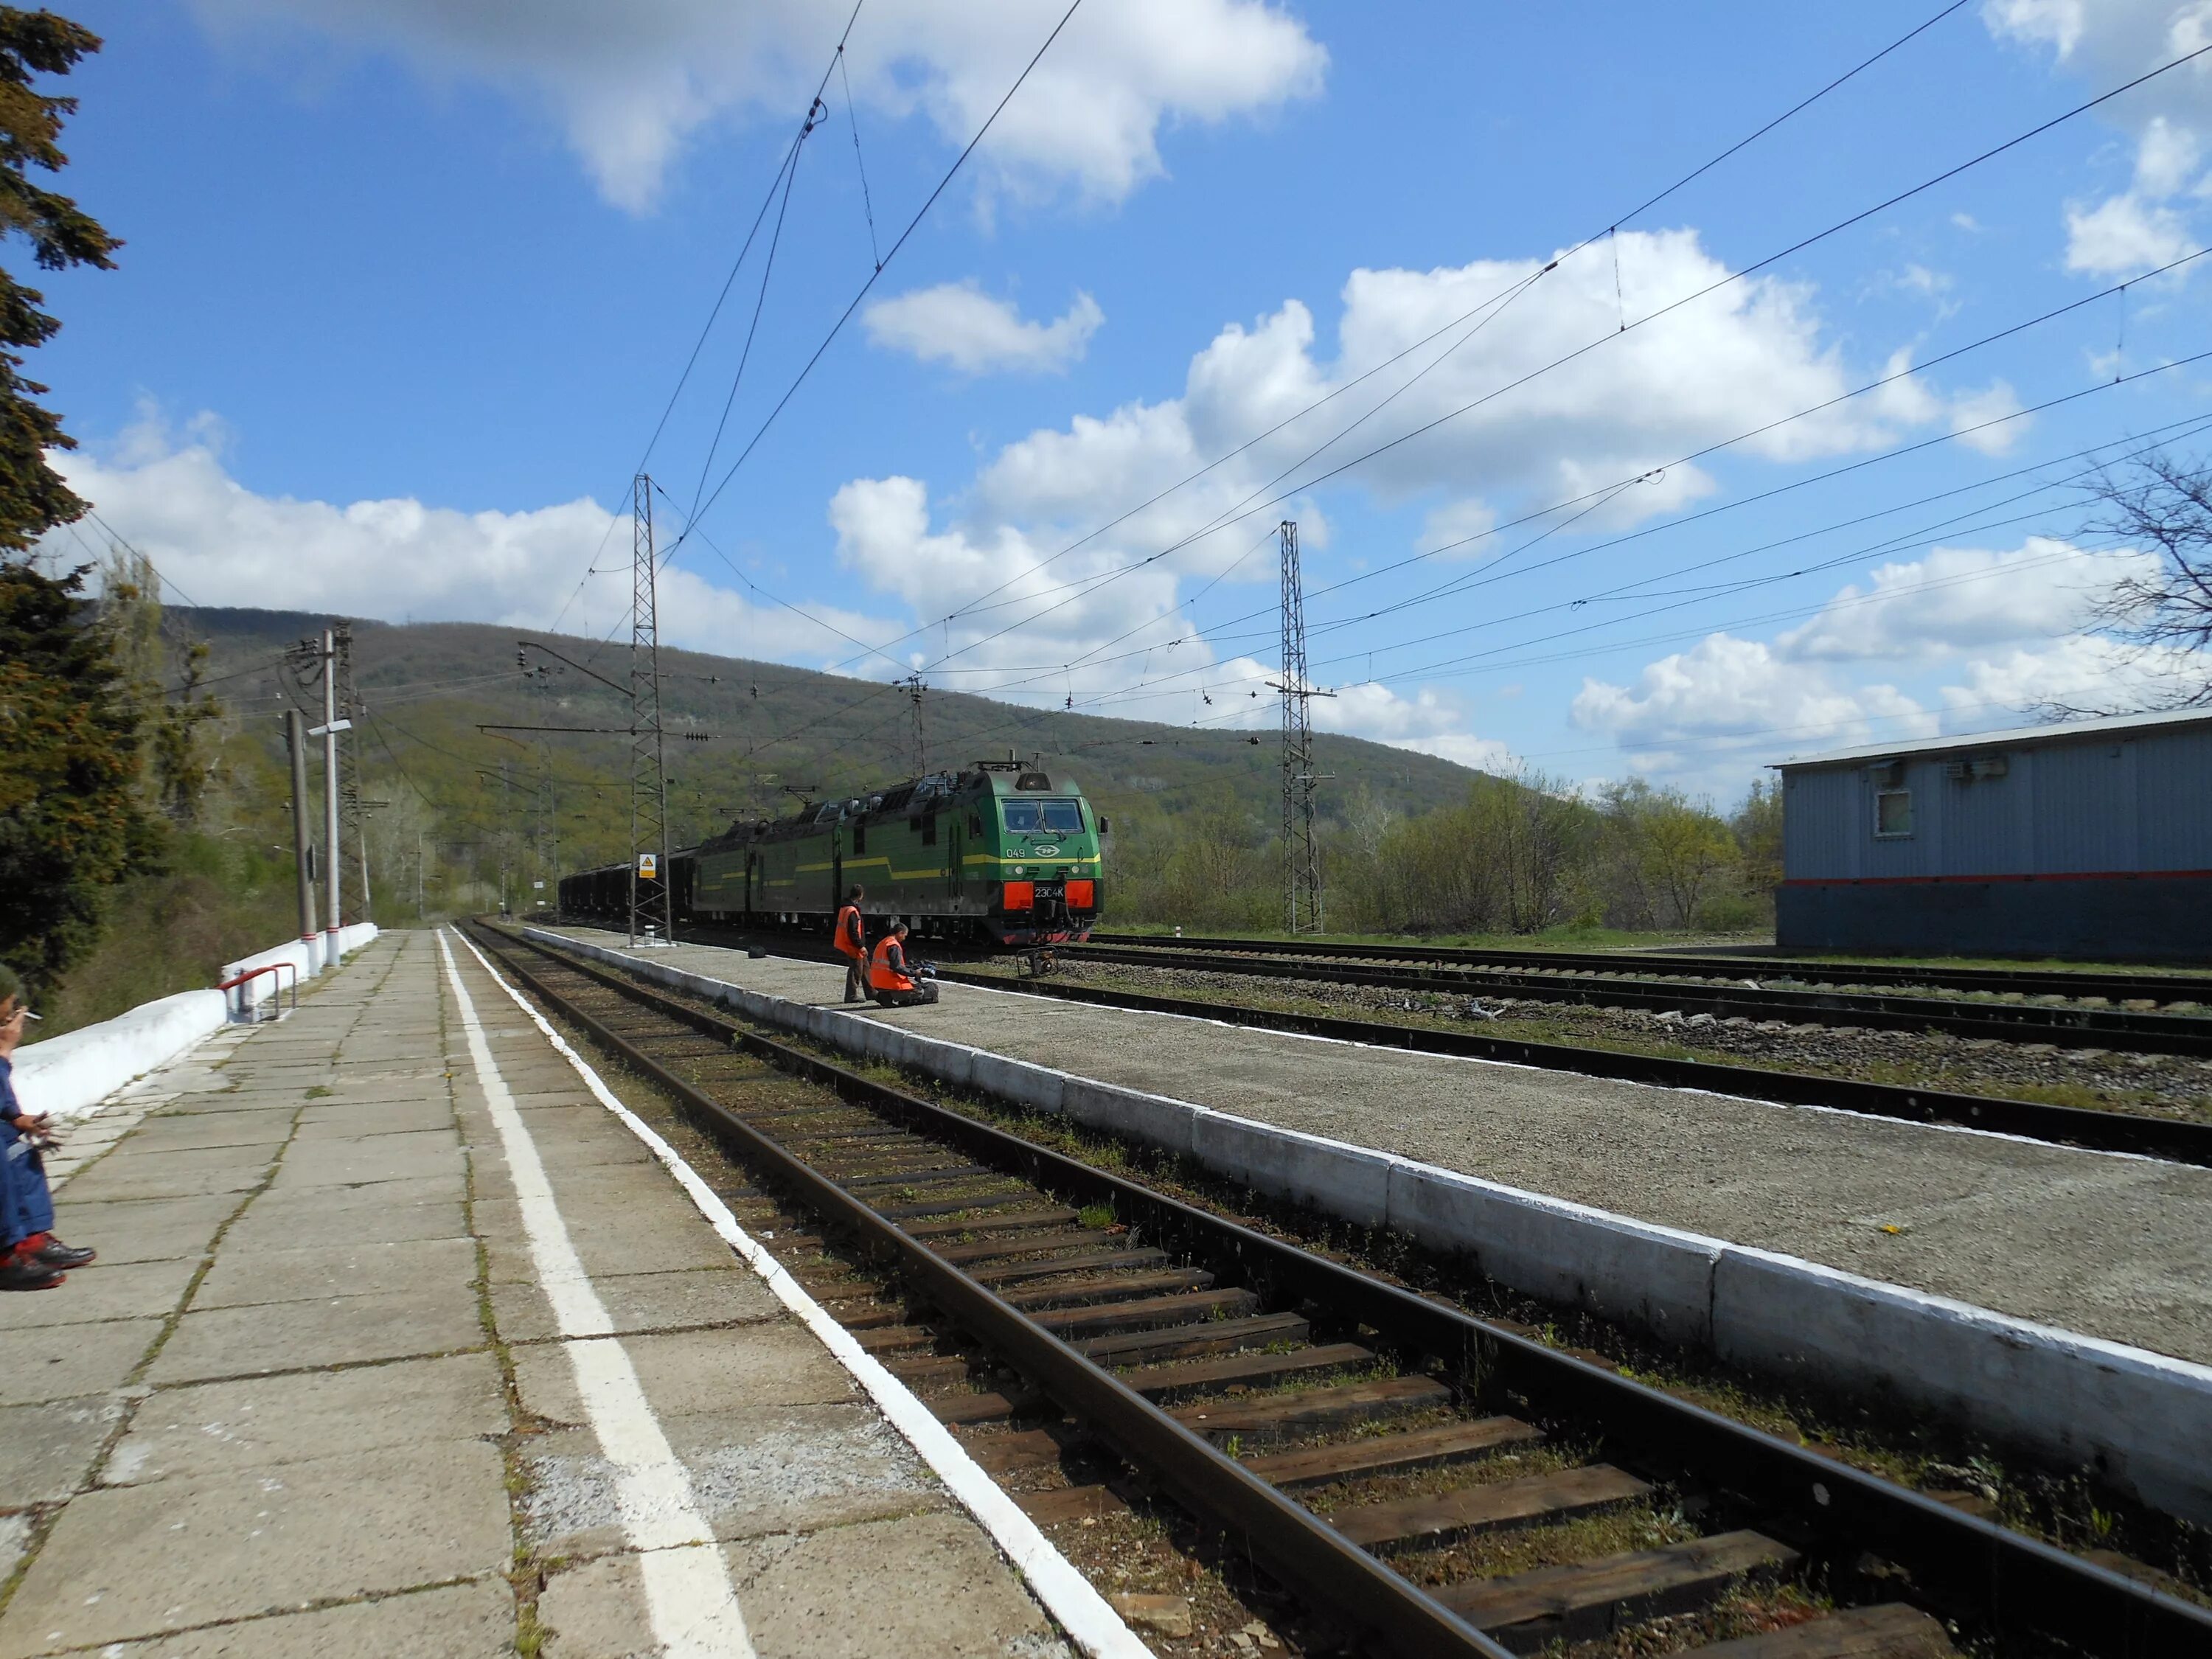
761,729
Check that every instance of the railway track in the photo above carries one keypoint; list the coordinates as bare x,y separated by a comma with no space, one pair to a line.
2155,988
1419,1481
1639,984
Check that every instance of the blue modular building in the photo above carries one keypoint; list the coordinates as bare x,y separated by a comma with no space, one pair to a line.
2090,840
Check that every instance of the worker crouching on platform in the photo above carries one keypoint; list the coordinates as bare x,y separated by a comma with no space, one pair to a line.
851,936
31,1257
889,981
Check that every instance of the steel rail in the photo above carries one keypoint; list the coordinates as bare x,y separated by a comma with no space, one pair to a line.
2013,1585
1336,1577
2026,981
2073,1027
2182,1141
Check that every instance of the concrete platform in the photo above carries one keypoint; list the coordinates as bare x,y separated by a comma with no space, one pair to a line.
2113,1247
402,1343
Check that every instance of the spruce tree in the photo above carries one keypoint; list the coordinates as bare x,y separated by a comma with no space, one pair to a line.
71,819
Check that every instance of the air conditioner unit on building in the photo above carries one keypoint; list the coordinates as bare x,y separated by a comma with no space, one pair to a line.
1983,766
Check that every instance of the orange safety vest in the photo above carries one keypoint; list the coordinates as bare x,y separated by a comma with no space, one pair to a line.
851,939
888,971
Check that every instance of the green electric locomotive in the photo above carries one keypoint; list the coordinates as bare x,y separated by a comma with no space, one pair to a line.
998,853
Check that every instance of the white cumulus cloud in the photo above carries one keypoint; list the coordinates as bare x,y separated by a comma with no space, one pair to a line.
2151,224
631,86
1960,599
171,496
958,324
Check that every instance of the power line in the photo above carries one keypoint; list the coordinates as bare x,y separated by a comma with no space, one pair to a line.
1506,295
790,159
768,272
846,316
1732,278
1482,576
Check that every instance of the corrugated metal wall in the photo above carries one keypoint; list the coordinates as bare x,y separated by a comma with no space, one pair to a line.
2140,802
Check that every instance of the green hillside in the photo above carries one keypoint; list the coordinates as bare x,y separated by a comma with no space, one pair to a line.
745,738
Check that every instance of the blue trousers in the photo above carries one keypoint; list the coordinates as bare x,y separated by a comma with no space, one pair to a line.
27,1207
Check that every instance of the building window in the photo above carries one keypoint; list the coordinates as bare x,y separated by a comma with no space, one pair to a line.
1892,813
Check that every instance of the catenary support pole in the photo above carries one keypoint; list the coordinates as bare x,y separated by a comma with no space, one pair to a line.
296,739
331,855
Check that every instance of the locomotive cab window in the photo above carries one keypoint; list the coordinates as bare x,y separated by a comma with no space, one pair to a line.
929,829
1051,817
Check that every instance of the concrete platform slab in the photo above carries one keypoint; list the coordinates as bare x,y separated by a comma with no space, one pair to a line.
237,1547
314,1273
754,1472
345,1330
294,1227
324,1122
683,1372
363,1195
166,1131
60,1362
144,1229
460,1621
821,1596
326,1442
607,1251
420,1155
644,1301
187,1174
119,1289
214,1429
46,1452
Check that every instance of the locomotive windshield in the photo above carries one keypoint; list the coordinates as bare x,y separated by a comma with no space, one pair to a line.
1051,817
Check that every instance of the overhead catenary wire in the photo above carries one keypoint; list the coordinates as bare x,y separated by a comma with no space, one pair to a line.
760,302
691,361
1460,583
920,213
1505,293
1165,686
1733,278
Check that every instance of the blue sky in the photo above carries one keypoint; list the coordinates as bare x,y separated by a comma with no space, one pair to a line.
408,283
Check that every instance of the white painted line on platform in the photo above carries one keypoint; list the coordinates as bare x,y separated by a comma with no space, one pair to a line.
1089,1620
688,1595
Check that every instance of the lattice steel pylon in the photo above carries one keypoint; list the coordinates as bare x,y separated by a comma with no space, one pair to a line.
1302,889
915,688
651,900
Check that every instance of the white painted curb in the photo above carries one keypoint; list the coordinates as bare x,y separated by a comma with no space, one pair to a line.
2142,1421
69,1075
1086,1615
305,955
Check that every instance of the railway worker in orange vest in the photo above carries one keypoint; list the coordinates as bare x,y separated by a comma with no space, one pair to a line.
889,981
851,936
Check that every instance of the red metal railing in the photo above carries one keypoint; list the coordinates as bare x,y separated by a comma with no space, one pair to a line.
242,1010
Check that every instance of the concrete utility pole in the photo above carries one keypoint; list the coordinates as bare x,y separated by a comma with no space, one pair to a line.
652,898
350,792
296,739
330,865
